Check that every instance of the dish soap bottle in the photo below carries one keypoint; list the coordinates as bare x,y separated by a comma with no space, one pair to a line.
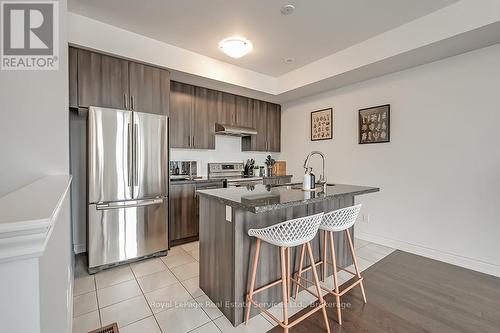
306,184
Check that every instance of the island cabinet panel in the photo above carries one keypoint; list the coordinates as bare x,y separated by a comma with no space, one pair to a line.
149,89
204,118
181,111
102,81
183,215
226,252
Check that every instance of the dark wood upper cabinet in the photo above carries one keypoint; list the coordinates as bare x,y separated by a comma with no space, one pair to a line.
102,81
267,121
226,111
259,113
99,80
260,120
204,118
183,216
149,89
273,127
244,111
181,111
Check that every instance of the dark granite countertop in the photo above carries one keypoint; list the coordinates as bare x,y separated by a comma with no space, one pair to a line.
261,198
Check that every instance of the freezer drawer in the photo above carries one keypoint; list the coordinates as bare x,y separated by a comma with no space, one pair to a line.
123,231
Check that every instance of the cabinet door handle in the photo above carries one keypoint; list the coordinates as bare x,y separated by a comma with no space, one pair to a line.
132,102
193,140
125,101
189,140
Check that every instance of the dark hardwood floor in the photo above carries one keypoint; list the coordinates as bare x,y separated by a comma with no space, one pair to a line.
410,293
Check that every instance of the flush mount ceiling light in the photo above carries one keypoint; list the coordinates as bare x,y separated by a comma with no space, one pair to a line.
235,47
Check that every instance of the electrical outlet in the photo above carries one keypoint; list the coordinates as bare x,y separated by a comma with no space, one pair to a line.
365,218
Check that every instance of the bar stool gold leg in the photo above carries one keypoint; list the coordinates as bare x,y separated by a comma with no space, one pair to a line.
318,287
355,260
252,281
284,288
324,267
299,272
335,278
288,275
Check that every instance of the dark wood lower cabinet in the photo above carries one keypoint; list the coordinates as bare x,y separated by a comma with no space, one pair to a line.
183,214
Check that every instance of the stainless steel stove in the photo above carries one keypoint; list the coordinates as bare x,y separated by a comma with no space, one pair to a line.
233,173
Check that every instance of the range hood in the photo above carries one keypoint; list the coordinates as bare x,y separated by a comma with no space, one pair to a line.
234,130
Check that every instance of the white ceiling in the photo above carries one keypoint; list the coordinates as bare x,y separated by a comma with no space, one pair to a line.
316,29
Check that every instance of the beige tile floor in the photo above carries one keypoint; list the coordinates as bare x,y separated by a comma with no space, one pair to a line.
163,295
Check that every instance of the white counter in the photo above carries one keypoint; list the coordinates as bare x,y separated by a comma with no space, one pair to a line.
27,217
36,258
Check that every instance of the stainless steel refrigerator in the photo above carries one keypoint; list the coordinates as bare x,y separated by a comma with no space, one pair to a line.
127,186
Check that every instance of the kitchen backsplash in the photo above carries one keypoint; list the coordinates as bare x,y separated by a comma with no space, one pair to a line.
227,149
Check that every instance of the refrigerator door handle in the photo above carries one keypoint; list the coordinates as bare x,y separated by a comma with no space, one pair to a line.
129,204
129,154
136,172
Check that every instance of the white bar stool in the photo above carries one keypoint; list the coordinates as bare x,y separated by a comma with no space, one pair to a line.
287,234
336,221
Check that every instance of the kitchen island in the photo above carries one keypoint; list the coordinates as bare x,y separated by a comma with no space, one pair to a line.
226,249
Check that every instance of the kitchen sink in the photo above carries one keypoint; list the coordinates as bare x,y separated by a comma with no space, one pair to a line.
298,186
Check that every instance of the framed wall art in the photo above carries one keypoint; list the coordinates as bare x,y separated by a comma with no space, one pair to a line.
374,124
322,124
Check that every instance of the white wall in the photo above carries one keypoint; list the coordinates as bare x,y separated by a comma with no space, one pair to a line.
20,299
227,149
34,120
33,143
439,176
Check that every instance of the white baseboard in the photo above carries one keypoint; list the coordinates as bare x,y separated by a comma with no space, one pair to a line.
476,265
79,248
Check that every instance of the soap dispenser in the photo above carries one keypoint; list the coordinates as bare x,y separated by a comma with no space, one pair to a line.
306,184
312,176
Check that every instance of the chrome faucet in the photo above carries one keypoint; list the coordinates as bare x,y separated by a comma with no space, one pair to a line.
322,179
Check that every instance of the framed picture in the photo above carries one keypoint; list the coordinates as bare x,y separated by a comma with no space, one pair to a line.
375,124
322,125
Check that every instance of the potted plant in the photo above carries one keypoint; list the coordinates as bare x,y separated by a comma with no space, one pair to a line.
269,164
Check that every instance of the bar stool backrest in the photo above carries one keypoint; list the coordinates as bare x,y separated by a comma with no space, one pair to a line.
290,233
340,219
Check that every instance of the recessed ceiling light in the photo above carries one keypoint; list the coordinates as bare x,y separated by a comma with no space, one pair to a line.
287,9
288,60
235,47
